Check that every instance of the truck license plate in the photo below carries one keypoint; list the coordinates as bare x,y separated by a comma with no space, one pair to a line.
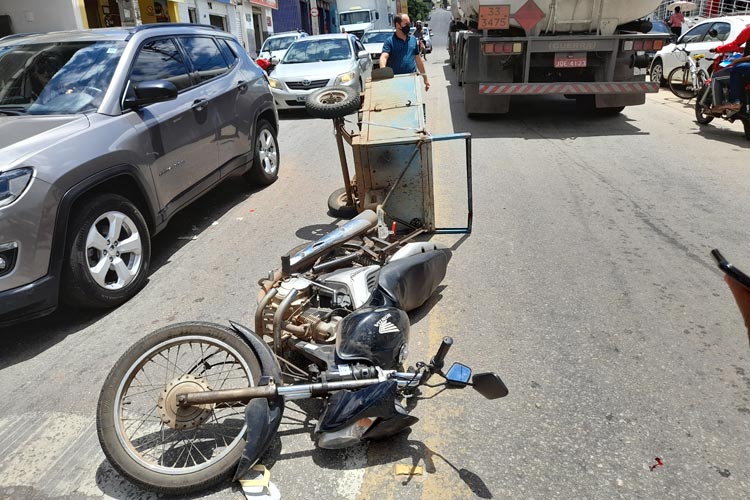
570,59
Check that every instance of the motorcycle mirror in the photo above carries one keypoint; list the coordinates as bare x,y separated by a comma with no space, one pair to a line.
489,385
458,375
274,61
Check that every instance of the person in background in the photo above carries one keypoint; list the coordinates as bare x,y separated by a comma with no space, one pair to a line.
676,20
739,69
401,52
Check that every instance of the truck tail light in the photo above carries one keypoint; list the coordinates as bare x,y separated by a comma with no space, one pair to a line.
500,49
639,45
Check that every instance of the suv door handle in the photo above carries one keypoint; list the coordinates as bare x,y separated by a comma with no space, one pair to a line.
200,104
242,85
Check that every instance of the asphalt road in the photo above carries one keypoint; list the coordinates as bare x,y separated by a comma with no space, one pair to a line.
586,284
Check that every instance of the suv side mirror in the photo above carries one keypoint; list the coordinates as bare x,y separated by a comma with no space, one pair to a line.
150,92
363,54
274,61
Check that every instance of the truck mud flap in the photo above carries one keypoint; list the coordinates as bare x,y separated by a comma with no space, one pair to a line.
476,102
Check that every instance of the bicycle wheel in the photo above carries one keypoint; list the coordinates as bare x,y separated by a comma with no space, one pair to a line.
681,83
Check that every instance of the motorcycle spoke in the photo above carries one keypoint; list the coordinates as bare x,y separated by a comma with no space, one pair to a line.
148,426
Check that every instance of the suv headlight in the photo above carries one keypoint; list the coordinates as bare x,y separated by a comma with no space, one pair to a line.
274,83
345,78
13,183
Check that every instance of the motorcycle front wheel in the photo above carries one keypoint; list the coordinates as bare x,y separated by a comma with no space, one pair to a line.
155,443
701,110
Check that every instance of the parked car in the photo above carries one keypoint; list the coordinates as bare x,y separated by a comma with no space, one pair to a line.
277,44
319,61
373,41
697,40
106,134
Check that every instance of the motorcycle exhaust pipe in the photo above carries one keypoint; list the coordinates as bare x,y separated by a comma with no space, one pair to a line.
292,263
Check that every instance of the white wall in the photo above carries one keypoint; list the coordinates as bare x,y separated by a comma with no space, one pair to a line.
46,15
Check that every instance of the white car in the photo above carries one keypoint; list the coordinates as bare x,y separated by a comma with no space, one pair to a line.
373,41
319,61
698,40
277,44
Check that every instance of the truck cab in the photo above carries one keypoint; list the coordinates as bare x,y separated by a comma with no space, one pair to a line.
358,20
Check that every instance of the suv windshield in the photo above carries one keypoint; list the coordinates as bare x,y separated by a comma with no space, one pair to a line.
358,17
377,37
305,51
278,43
56,78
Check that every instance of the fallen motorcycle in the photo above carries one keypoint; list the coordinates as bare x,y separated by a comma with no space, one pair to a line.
192,403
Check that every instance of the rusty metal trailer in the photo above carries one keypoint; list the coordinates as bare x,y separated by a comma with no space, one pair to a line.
392,152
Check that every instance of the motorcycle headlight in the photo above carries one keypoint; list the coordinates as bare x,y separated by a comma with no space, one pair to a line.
274,83
346,77
12,184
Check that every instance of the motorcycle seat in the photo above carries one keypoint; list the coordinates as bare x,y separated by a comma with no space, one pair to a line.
407,283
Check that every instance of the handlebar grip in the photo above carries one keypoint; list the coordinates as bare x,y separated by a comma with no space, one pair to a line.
439,359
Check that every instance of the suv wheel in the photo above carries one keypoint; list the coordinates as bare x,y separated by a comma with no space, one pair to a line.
108,255
265,169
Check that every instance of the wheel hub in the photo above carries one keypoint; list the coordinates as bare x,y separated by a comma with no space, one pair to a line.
183,417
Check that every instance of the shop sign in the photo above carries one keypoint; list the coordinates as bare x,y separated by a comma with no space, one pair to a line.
272,4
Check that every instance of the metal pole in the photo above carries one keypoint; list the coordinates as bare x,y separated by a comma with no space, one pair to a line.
338,124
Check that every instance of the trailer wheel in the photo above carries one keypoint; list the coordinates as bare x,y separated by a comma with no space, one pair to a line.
332,102
338,207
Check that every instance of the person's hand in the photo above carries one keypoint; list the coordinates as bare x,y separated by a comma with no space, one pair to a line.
742,297
426,84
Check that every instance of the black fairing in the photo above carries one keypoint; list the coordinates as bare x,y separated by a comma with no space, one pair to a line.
379,400
372,335
409,282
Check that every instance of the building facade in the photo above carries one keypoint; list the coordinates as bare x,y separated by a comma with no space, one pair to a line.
707,8
311,16
251,21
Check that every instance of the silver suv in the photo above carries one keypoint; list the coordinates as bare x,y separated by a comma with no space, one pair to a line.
104,136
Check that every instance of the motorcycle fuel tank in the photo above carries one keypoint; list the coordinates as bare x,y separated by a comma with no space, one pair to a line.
376,335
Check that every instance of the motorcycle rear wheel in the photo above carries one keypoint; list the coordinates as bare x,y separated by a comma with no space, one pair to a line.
701,115
154,443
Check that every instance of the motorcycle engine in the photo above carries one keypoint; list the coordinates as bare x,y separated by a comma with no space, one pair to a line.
309,316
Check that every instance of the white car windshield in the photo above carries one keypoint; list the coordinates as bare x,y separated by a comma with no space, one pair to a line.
377,37
56,78
305,51
354,17
278,43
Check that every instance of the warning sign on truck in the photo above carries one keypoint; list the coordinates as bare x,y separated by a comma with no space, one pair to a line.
494,17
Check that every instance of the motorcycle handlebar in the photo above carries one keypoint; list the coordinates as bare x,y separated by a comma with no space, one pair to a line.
439,359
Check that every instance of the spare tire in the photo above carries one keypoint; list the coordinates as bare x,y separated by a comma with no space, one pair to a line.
332,102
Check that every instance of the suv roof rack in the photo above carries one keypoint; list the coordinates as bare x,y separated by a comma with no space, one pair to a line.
143,27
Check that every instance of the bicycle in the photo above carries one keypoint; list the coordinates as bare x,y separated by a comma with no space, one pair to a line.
685,81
